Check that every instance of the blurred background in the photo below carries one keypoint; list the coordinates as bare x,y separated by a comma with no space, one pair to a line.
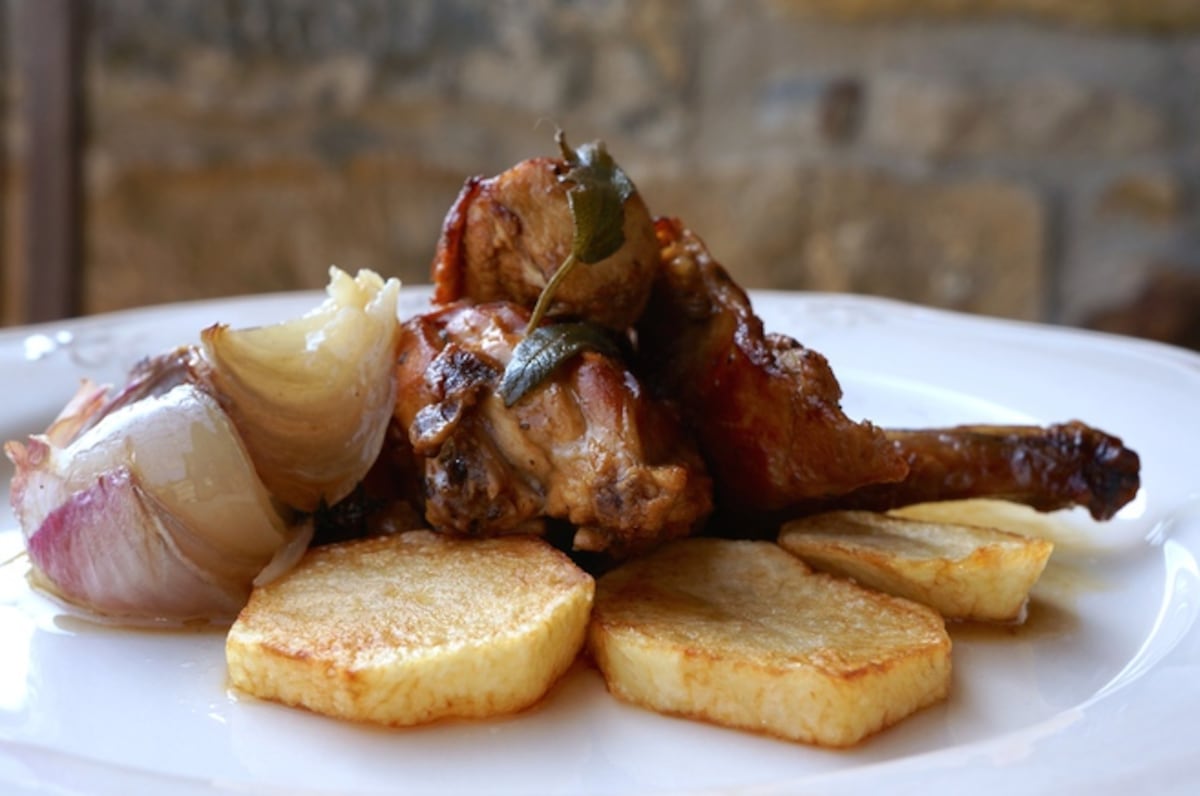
1031,159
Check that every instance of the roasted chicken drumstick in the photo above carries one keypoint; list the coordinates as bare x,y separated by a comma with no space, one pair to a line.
764,410
1050,468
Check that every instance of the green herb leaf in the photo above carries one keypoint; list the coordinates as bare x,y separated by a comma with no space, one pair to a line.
597,198
545,349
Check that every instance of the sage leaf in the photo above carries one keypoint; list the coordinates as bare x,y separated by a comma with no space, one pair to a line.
597,196
599,190
545,349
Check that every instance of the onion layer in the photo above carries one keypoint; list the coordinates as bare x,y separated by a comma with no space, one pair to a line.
312,397
153,511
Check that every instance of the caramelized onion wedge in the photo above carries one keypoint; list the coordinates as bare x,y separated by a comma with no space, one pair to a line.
312,397
154,512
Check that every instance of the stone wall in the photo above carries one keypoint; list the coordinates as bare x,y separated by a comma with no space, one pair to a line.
1033,159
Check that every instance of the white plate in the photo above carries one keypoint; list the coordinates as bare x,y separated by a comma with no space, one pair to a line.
1102,689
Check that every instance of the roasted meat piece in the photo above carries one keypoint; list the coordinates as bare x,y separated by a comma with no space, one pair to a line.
1050,468
764,408
505,237
587,446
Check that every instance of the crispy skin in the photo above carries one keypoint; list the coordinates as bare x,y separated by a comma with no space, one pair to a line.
506,236
587,446
1047,468
764,408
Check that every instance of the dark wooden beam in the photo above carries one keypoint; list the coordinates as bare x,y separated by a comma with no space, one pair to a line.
47,39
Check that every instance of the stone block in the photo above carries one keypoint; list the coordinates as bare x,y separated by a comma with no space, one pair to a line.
1115,231
1165,308
1148,197
976,245
911,115
156,235
1048,116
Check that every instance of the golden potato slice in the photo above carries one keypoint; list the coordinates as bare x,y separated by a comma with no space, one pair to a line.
410,628
962,571
745,635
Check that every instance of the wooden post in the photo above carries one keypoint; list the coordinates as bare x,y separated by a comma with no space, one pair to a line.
48,42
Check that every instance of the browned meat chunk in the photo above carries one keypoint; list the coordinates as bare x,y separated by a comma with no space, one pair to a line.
764,408
588,446
506,236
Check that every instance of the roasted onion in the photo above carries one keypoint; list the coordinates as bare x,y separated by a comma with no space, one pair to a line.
169,499
153,511
312,397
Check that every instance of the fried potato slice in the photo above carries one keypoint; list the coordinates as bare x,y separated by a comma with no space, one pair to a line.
410,628
962,571
743,634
